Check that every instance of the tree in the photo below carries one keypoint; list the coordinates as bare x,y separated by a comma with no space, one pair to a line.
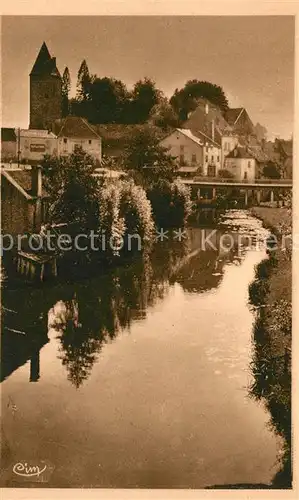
65,90
184,100
145,96
73,190
108,97
163,115
225,174
147,159
83,82
272,170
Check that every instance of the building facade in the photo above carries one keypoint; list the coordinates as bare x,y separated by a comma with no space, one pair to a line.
35,144
241,164
22,201
75,131
187,149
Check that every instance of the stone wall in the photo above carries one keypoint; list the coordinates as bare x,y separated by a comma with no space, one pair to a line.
45,101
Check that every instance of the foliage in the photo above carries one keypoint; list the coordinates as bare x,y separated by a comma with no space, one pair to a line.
171,203
65,90
163,115
136,210
72,189
147,159
108,97
84,81
184,100
145,96
111,222
272,170
225,174
124,209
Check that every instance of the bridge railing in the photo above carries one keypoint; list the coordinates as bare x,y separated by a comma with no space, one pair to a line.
244,181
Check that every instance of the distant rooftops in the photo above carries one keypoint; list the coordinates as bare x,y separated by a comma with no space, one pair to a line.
240,152
232,115
186,132
75,126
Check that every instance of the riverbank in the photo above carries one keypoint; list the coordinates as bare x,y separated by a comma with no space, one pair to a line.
271,294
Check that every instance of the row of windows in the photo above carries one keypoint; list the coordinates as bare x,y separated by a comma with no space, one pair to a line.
212,158
193,159
65,141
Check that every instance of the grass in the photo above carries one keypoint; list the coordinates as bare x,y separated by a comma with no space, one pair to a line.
271,292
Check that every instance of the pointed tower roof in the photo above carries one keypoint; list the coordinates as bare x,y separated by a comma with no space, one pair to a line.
45,64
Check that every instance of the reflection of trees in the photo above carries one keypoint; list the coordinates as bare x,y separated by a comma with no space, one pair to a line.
103,307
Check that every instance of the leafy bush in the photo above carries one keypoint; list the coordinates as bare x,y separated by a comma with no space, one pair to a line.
171,203
72,189
124,209
225,174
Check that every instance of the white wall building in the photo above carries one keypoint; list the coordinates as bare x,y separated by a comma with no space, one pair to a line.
74,131
241,164
35,144
195,154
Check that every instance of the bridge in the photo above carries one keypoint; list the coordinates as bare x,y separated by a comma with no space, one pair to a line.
257,186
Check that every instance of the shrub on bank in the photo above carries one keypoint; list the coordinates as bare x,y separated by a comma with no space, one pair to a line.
124,210
171,203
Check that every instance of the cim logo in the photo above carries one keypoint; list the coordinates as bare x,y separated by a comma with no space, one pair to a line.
30,471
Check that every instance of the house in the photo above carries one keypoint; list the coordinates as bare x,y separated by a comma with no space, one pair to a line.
23,200
75,131
206,118
8,144
35,144
241,164
193,154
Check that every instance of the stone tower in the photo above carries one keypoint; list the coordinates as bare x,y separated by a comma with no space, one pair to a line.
45,91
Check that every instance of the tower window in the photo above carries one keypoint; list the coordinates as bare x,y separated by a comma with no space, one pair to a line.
89,142
65,140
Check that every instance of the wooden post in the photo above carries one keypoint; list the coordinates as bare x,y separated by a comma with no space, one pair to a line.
272,196
54,267
42,271
214,193
23,265
33,269
258,197
246,197
198,194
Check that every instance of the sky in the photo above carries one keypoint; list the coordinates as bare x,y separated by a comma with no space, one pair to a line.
250,57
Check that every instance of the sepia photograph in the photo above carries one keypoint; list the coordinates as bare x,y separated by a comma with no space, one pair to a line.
146,252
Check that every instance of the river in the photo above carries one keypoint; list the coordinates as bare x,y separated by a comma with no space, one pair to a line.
139,377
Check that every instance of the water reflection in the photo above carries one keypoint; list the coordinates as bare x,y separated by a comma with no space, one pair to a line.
86,315
173,409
